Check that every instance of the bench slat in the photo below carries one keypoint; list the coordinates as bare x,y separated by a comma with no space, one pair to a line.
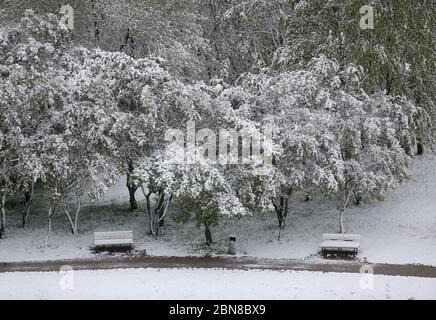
339,244
339,236
112,242
113,235
113,238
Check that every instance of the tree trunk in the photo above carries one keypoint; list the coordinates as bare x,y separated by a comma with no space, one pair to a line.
149,212
132,198
345,201
3,216
208,234
341,222
358,198
389,82
284,214
28,197
153,216
420,149
163,211
152,224
147,198
158,213
73,223
96,22
281,209
132,188
70,220
50,214
76,218
162,218
154,230
128,41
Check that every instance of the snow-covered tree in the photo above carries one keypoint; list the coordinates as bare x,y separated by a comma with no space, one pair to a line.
29,52
320,118
62,113
11,155
391,64
206,192
208,109
178,104
136,87
171,29
77,153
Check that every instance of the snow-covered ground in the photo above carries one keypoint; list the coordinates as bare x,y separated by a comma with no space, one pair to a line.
401,229
210,284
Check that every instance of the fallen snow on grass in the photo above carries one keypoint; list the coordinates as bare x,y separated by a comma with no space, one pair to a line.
401,229
208,284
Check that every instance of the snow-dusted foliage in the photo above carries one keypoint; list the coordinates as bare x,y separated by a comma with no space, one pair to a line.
80,109
29,54
201,186
62,114
331,138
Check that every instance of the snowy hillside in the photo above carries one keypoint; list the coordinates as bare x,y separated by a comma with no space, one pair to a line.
402,229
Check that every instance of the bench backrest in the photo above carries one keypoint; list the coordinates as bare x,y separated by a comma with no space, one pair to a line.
341,237
113,235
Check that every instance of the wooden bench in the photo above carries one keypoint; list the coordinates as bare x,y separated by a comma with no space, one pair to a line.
113,240
340,244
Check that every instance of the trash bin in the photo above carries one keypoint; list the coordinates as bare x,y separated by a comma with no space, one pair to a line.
232,245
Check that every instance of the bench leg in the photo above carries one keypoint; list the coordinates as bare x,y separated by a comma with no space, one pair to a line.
323,253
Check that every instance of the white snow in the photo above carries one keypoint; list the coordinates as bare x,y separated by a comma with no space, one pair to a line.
401,229
209,284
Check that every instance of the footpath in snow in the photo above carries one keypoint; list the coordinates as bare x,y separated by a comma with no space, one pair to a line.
210,284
